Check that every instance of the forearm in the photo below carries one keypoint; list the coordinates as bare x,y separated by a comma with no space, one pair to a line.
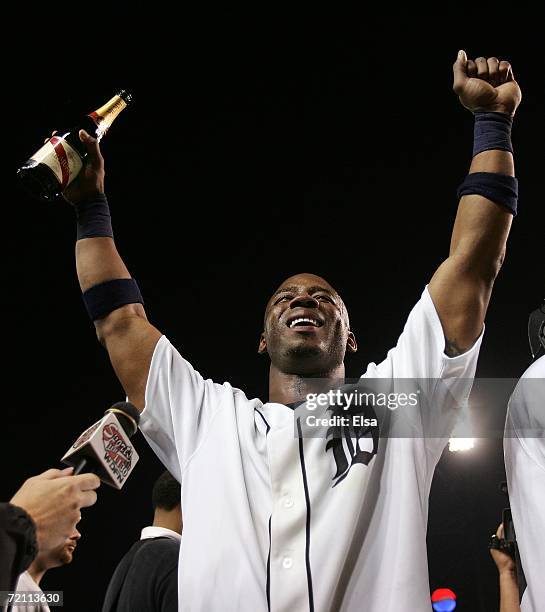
500,162
111,296
103,277
124,330
509,592
462,286
98,261
482,225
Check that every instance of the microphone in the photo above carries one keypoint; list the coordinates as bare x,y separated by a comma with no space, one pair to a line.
105,448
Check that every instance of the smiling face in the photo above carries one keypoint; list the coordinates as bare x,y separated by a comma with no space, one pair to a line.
306,328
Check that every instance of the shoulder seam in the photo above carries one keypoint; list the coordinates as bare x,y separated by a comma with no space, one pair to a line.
184,467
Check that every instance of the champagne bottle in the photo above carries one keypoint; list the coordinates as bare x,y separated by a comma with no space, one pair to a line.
55,165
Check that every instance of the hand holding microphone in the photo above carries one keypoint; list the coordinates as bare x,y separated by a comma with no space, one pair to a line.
54,499
105,447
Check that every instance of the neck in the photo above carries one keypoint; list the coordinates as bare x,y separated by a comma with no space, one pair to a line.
289,388
37,570
168,519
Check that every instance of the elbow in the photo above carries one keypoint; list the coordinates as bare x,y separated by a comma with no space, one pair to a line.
483,266
118,322
104,329
492,267
100,335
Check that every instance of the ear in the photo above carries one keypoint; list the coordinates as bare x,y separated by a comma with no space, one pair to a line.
351,344
262,347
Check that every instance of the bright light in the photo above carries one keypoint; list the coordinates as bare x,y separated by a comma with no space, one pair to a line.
456,445
463,428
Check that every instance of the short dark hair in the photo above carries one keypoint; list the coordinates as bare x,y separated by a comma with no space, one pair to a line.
166,492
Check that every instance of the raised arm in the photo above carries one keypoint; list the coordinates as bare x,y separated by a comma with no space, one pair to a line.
462,285
124,331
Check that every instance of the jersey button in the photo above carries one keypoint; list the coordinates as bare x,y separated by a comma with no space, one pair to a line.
288,502
287,562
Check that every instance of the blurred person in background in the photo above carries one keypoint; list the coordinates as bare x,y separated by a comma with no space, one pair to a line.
29,581
524,454
147,576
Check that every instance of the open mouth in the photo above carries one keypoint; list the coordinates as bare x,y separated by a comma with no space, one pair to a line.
295,322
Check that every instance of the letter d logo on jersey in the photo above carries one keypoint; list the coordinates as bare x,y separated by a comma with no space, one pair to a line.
350,442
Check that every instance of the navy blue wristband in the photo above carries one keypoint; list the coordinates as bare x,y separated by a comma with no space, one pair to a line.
106,297
93,218
499,188
492,131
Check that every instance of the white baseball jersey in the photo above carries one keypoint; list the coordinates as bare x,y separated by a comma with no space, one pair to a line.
266,526
524,450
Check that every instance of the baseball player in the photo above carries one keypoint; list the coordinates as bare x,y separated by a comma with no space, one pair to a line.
276,521
524,450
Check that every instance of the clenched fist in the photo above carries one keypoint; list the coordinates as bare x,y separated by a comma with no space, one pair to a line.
486,84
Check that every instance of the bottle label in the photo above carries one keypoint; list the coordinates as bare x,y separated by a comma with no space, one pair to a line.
105,115
63,159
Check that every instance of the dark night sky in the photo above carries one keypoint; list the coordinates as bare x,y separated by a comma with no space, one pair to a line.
258,147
